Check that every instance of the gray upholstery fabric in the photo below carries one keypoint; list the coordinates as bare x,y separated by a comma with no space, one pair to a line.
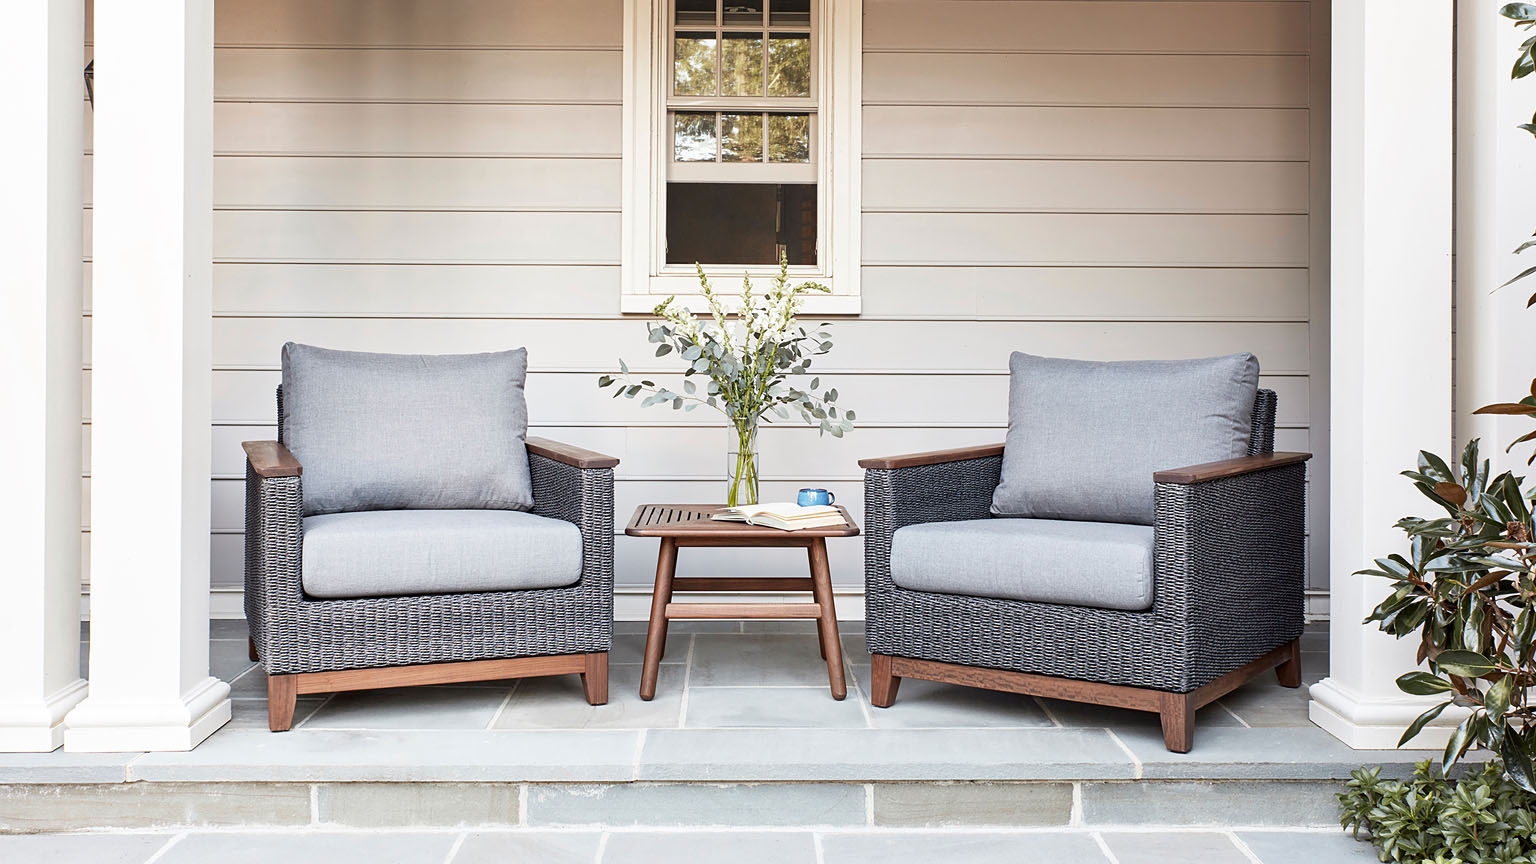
1084,438
1099,564
384,553
407,431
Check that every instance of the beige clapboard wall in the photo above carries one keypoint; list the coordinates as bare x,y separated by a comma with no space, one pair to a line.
1089,178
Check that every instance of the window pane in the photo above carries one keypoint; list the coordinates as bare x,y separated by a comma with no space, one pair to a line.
784,13
744,13
693,137
742,65
693,67
696,13
741,137
789,65
789,137
741,223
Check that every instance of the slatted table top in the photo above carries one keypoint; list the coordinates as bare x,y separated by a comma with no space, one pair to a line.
692,520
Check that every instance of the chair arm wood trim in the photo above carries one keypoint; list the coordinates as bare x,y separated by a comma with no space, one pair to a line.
932,457
1229,468
271,459
570,454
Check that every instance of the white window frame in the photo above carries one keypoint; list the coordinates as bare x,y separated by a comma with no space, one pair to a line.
645,275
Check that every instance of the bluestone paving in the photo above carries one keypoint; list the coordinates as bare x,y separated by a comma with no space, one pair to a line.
1182,847
414,805
697,804
935,705
773,708
64,767
557,702
81,848
944,804
34,807
530,847
310,848
971,848
756,659
1293,753
779,847
1209,803
1297,847
411,708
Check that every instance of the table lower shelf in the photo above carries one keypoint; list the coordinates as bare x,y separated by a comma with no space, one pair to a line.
743,610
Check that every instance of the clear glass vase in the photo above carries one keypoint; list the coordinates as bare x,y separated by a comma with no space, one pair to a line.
741,464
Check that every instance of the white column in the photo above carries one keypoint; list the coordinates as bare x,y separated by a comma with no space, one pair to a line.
151,341
1391,332
41,60
1495,185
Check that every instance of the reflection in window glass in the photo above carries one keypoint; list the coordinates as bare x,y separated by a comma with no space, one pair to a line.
693,137
741,223
744,12
741,137
696,13
693,65
785,13
789,137
789,65
741,67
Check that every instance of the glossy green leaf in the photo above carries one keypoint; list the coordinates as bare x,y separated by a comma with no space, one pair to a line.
1422,684
1467,664
1461,739
1420,722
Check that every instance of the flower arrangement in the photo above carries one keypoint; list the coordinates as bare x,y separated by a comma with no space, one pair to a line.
748,360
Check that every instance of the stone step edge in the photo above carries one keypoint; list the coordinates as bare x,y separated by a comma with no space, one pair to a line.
43,808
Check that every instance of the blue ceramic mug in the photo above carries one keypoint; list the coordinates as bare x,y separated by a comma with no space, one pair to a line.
815,498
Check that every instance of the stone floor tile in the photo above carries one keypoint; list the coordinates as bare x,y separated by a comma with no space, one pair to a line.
63,767
1297,847
228,658
32,807
1194,847
799,627
932,805
773,708
557,702
81,848
590,755
228,628
757,659
252,713
630,648
418,805
1076,715
855,650
687,626
311,848
529,847
1263,702
250,684
697,805
934,705
1301,753
411,708
973,848
881,754
784,847
1204,803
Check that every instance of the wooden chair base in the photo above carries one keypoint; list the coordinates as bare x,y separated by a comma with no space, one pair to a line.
283,690
1177,710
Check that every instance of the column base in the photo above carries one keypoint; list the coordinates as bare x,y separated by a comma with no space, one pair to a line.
39,727
1377,724
100,726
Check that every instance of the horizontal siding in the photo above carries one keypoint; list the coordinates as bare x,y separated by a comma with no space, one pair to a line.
1106,180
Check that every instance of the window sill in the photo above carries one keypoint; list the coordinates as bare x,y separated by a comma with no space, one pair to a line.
815,304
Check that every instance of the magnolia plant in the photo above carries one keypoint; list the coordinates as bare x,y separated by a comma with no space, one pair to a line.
747,357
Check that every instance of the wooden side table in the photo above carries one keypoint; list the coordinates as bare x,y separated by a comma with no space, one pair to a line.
689,525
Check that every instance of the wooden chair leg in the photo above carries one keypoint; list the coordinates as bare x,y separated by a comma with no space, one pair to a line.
656,632
595,679
282,697
251,642
1289,672
1178,717
883,685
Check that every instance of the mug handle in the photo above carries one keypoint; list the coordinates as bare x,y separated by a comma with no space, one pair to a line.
831,499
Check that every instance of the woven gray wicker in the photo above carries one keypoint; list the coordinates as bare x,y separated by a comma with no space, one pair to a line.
1228,590
294,635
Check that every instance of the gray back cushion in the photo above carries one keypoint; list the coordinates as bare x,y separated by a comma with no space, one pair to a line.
407,431
1084,438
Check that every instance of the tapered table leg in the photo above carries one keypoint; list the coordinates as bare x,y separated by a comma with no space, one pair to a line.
826,625
656,633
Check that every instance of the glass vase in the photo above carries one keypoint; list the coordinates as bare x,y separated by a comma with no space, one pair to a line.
741,464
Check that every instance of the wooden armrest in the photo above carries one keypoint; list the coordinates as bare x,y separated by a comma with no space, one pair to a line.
570,454
271,459
1229,468
932,457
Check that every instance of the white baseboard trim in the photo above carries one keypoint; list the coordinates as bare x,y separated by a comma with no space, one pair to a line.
38,727
1377,724
100,726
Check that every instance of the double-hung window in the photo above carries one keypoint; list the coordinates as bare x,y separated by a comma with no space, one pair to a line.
741,145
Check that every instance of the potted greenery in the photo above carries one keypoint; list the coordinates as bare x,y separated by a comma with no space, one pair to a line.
747,360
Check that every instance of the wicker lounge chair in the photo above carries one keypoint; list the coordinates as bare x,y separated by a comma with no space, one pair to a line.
367,615
1223,585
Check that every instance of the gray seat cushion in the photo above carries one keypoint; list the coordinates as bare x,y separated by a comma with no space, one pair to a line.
1099,564
407,431
382,553
1085,438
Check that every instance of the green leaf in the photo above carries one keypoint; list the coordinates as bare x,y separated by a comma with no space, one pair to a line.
1519,752
1496,700
848,415
1422,684
663,349
605,381
1461,739
623,367
1467,664
1420,722
689,387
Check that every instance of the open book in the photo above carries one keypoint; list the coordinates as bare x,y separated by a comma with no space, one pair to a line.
789,517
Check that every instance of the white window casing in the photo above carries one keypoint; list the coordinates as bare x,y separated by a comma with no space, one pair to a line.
835,128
